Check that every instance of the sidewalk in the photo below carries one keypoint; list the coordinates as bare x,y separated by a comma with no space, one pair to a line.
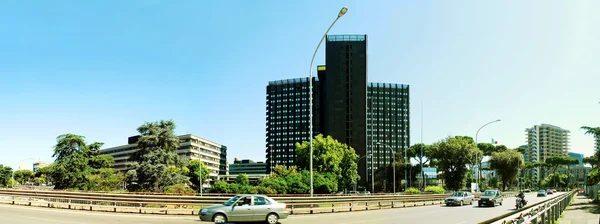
582,211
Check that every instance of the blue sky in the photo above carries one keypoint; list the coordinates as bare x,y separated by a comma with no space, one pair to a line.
102,68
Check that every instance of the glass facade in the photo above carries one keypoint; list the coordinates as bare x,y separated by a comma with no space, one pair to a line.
577,156
389,121
346,107
247,166
288,119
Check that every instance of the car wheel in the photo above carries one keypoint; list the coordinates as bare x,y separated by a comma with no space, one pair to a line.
447,204
219,218
500,202
272,218
471,202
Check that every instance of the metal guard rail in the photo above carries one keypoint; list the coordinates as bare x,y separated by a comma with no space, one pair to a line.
190,204
542,212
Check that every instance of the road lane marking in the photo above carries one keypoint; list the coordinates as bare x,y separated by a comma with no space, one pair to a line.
46,220
55,210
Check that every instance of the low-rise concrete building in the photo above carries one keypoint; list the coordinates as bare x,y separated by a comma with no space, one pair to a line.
212,154
247,166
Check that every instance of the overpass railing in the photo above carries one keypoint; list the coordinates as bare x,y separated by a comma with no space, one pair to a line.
190,205
546,211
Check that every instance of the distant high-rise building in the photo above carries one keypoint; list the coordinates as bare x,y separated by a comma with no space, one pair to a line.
545,141
525,154
345,106
577,156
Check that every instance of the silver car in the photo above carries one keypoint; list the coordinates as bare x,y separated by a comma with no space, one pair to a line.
246,208
460,198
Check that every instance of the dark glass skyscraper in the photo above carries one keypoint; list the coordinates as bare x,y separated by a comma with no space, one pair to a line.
288,119
342,97
389,122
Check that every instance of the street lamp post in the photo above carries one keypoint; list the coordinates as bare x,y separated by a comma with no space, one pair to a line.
310,98
477,153
394,166
357,161
12,182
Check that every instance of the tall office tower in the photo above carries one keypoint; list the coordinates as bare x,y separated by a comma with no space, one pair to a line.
545,141
341,108
288,119
389,122
344,89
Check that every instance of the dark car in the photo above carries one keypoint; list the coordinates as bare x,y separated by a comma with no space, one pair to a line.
490,198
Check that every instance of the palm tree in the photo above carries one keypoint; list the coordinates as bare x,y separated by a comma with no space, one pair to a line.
592,131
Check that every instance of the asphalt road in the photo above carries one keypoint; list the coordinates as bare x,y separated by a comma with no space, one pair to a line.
11,214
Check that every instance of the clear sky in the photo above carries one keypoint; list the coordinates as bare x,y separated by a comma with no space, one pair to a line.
102,68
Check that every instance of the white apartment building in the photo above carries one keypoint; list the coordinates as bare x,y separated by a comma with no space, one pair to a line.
545,141
212,154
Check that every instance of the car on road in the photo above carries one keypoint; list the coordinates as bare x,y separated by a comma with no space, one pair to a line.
460,198
490,198
541,193
246,208
549,191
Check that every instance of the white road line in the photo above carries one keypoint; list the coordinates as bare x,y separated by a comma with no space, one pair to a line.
56,210
46,220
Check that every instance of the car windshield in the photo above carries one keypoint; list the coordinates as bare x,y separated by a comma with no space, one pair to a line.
541,191
457,194
231,201
489,193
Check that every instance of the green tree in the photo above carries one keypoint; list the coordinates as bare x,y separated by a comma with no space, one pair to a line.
325,183
557,161
5,175
23,176
104,179
276,183
71,162
178,189
453,155
593,131
242,179
39,180
287,181
422,158
349,174
197,167
507,164
79,166
486,148
329,156
157,150
501,148
220,187
592,160
45,172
